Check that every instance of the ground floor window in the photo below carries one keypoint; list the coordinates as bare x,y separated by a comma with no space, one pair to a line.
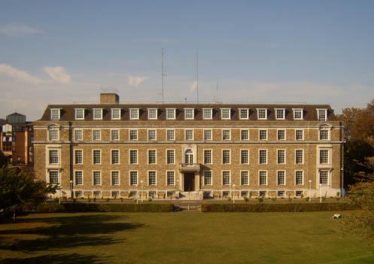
170,178
299,193
281,194
207,177
323,177
115,194
53,177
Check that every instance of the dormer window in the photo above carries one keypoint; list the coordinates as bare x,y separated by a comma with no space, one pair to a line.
243,113
207,113
298,114
188,113
79,113
116,113
55,113
280,113
97,113
225,113
262,114
170,113
322,114
152,113
134,113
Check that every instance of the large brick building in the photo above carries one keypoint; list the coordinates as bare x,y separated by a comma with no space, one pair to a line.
197,151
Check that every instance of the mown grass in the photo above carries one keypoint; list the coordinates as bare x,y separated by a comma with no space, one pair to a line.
311,237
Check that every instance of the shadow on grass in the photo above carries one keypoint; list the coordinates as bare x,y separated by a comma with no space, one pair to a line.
63,233
55,259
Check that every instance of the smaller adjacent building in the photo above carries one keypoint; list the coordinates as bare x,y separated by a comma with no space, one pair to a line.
16,139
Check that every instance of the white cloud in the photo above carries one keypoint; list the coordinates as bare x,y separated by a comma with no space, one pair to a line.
18,30
135,80
18,75
58,74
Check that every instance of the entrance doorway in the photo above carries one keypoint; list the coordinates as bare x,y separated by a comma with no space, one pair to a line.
189,182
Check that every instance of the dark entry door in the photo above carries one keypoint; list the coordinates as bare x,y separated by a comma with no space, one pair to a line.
189,182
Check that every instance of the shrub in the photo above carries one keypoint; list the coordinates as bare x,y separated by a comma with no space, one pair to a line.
270,207
94,207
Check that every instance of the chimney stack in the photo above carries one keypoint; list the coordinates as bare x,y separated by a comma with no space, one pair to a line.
109,98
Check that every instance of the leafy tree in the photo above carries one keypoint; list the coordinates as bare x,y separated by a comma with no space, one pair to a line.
359,149
362,194
18,187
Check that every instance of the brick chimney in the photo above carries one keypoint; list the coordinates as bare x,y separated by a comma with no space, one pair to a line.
109,98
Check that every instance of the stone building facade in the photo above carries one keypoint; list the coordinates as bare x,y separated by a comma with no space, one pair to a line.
189,151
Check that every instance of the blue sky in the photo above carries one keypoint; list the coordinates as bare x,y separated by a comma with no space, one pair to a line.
253,51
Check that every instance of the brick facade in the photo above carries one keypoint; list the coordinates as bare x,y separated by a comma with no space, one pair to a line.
189,175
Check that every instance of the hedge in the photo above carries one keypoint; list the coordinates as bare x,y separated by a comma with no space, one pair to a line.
289,207
96,207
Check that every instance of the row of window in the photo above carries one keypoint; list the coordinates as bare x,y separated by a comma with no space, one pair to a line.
189,113
53,135
207,178
281,157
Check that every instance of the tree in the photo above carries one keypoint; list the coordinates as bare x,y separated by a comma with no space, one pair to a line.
362,194
359,149
18,187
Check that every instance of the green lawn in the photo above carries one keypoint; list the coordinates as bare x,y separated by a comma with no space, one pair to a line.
181,238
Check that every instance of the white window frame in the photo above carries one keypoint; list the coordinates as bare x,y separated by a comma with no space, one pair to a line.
222,177
285,156
301,110
93,159
148,133
111,134
329,157
58,151
167,177
222,112
58,112
137,157
206,117
259,177
185,134
285,177
318,114
76,111
166,156
258,113
148,172
137,178
75,178
166,134
240,113
259,156
58,177
240,175
328,134
303,156
112,111
54,128
211,178
285,134
149,113
100,117
134,113
266,133
222,160
111,177
148,152
74,133
186,113
248,156
241,134
223,131
328,177
302,177
93,178
171,111
211,134
211,156
137,135
95,130
302,132
276,113
75,156
111,156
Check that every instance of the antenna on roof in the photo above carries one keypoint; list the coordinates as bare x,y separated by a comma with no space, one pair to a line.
163,74
197,76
